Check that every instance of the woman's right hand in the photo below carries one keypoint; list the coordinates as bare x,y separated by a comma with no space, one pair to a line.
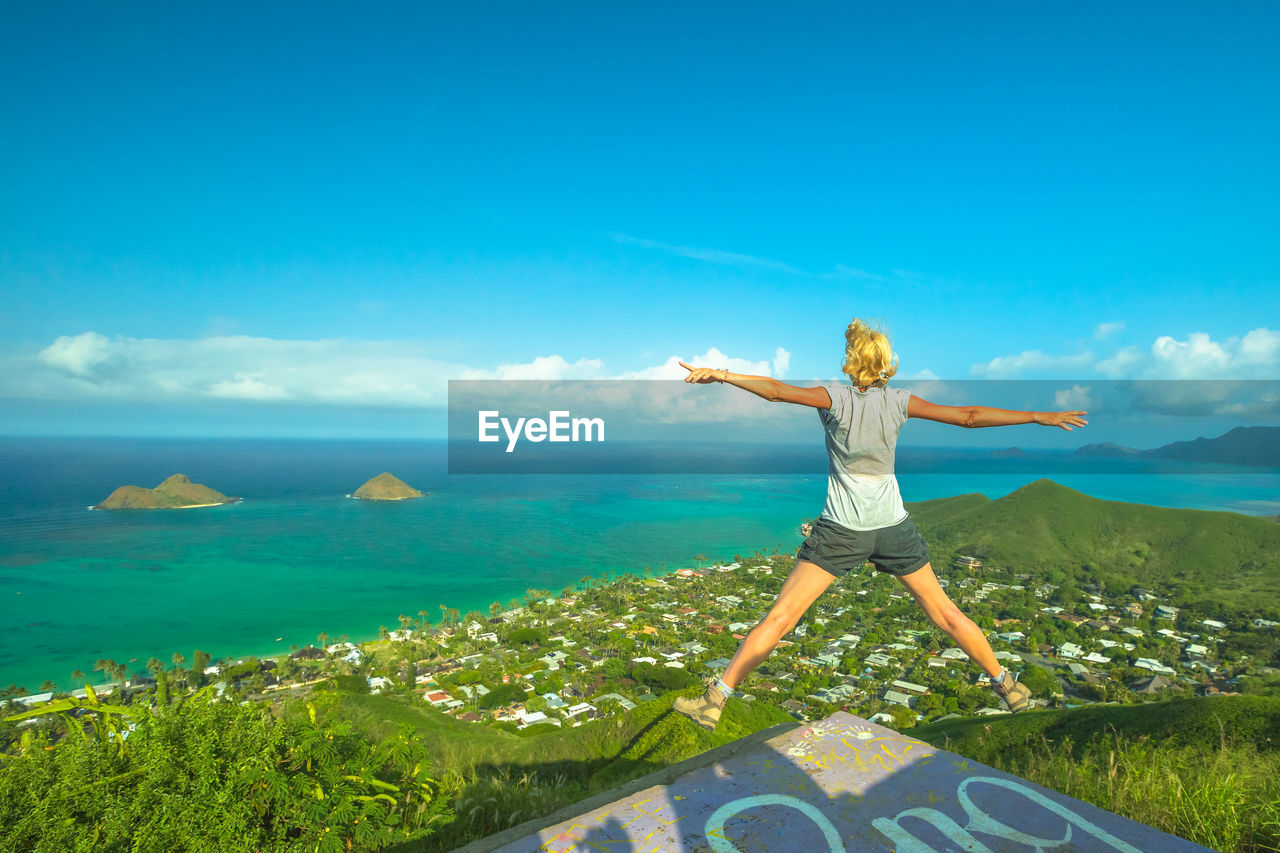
702,375
1066,420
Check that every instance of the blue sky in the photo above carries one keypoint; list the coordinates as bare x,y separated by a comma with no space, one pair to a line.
304,220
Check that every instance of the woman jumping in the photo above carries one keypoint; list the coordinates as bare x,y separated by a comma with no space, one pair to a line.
864,518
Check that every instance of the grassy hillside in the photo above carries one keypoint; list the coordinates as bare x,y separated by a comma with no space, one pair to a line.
1206,769
504,778
1189,553
1200,722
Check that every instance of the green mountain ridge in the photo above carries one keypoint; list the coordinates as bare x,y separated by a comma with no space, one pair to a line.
1227,556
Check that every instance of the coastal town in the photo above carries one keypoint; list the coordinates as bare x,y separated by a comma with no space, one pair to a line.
604,647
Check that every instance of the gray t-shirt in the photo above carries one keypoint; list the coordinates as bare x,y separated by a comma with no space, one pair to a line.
862,433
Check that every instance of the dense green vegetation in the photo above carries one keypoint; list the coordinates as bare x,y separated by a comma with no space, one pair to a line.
1205,769
344,770
1230,559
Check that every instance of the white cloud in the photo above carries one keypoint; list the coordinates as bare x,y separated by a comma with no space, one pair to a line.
781,361
1121,363
1255,355
549,367
78,354
671,369
245,387
1075,398
1106,330
1260,346
1198,357
1006,367
337,372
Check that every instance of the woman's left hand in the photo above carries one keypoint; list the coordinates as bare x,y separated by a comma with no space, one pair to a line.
702,375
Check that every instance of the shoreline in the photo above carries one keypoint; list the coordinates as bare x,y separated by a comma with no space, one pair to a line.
279,648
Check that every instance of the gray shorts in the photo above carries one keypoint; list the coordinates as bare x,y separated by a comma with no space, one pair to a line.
896,550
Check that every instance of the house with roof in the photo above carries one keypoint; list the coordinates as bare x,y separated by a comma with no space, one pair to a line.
909,687
953,654
1164,611
878,660
531,718
1094,657
554,702
1154,665
623,702
583,710
1070,650
898,698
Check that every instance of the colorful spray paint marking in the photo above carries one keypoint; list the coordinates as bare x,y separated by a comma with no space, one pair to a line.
842,785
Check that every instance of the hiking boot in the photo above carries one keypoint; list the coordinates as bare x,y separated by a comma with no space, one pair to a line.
705,710
1015,695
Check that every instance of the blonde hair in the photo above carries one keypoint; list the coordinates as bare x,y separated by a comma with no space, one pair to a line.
868,360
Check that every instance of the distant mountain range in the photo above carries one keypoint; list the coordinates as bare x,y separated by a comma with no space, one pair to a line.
1257,445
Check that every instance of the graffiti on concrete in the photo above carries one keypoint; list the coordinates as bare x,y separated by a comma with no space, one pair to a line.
842,785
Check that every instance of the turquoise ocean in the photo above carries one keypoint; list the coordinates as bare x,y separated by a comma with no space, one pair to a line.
297,557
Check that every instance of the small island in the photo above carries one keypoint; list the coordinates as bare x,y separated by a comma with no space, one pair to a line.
1009,453
386,487
177,492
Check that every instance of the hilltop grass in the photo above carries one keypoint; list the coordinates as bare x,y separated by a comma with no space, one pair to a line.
1232,558
1205,769
500,778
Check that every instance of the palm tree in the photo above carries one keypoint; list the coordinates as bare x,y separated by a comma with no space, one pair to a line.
78,675
405,621
383,634
494,610
444,614
323,639
48,686
453,616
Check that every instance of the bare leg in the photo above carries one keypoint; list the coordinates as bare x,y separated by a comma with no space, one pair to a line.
806,582
942,611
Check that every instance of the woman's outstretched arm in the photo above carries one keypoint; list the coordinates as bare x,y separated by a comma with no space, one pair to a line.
771,389
972,417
